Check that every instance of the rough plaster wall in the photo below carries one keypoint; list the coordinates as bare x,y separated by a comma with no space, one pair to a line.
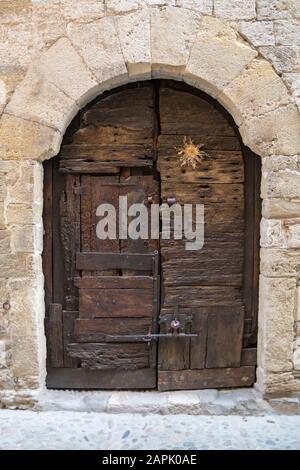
29,27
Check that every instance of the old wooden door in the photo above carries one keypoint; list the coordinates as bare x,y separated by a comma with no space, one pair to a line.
104,292
107,300
215,288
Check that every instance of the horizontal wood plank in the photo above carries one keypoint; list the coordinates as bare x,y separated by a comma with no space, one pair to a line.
103,356
94,303
105,261
134,155
75,166
68,378
206,378
98,330
114,282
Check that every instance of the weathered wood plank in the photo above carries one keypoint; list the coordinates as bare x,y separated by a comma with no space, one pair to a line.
199,343
97,330
185,113
211,141
249,357
207,193
104,261
206,378
101,356
47,222
114,282
224,337
218,167
61,378
115,303
201,296
55,335
134,155
70,238
83,167
69,318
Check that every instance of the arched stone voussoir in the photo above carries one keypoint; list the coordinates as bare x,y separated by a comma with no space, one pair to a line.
217,57
99,46
173,32
39,100
257,90
28,140
134,35
55,87
274,133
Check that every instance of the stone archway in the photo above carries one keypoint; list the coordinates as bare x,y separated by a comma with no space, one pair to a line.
156,42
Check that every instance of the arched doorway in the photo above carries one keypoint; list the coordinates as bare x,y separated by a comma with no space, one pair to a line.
103,297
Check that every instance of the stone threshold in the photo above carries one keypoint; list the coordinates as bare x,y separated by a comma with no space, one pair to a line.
245,402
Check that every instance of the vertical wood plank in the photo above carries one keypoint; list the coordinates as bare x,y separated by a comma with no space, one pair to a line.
55,332
224,338
47,221
58,255
69,318
198,344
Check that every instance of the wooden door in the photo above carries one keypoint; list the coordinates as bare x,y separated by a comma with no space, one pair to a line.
105,293
103,297
216,287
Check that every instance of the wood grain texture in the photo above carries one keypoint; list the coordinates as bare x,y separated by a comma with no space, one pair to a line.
55,335
206,378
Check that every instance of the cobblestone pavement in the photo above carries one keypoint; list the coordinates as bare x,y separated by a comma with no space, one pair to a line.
100,431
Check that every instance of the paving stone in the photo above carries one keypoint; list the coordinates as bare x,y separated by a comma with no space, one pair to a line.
98,431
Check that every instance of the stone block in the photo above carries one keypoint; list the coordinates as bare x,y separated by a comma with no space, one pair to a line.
280,263
294,7
36,99
283,58
22,139
272,9
276,323
257,90
5,241
258,33
15,11
137,402
274,133
292,81
65,68
277,163
173,31
25,183
121,6
26,331
2,216
281,184
235,9
16,45
134,33
296,356
22,214
83,11
99,45
291,228
287,33
27,238
217,57
280,209
271,233
3,95
202,6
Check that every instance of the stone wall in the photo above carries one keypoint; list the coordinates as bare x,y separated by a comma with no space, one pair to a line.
64,38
